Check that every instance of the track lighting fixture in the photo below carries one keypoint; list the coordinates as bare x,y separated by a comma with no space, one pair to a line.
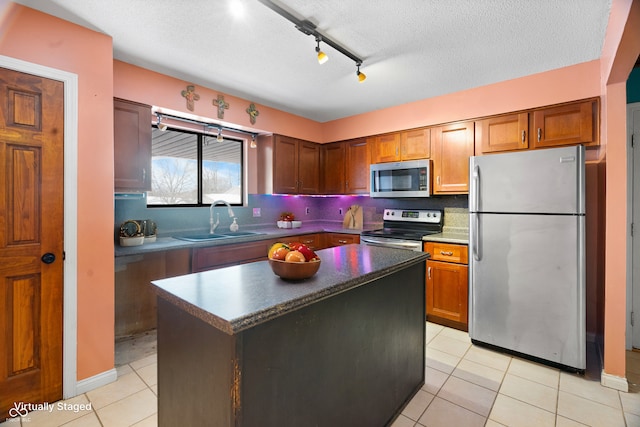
322,57
161,126
309,29
253,141
219,138
361,76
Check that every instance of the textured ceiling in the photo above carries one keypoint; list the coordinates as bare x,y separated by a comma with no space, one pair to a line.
412,49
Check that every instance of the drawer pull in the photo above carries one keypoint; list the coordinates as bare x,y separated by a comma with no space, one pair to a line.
429,272
342,242
450,253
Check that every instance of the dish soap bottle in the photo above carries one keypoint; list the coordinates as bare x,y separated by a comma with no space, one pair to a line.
234,225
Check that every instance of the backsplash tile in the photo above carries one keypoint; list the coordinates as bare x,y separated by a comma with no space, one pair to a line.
456,220
321,208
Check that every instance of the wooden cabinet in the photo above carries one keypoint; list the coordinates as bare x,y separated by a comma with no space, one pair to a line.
339,239
135,299
345,167
447,284
132,146
313,241
357,166
288,165
509,132
575,123
212,257
453,144
399,146
333,168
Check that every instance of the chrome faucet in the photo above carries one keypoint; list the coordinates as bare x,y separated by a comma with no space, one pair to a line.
214,225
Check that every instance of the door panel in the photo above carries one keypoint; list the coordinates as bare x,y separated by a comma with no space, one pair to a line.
31,224
528,285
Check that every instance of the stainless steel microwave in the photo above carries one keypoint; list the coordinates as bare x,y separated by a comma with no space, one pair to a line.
401,179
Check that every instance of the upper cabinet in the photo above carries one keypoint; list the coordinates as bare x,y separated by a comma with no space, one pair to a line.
357,166
288,165
502,133
575,123
398,146
132,146
452,147
345,167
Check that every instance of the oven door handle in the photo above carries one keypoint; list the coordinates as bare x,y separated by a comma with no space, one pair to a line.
399,244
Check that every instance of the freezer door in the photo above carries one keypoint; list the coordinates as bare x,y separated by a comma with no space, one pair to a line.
536,181
527,285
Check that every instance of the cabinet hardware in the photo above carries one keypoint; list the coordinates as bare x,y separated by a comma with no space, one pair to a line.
450,253
342,242
438,179
539,134
429,272
524,135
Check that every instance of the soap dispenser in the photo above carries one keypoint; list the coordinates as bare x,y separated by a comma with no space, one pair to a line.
234,225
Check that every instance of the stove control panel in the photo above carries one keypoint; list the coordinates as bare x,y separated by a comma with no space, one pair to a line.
413,215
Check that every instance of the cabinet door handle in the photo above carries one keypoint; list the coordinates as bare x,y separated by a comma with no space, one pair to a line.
449,253
342,242
524,135
429,272
539,134
438,179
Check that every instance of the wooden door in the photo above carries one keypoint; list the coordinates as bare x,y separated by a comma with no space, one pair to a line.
415,144
503,133
452,147
309,168
447,291
132,146
565,125
31,239
357,167
285,165
333,162
387,148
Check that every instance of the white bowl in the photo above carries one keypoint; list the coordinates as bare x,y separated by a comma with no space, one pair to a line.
285,224
132,241
296,224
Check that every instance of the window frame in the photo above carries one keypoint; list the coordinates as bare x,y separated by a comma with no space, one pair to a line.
199,167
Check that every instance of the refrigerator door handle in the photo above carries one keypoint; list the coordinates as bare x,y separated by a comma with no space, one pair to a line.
475,177
475,238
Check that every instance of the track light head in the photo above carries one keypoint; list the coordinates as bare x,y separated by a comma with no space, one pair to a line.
219,138
161,126
253,141
361,76
322,57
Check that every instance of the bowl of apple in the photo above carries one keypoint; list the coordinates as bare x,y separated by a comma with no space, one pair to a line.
293,261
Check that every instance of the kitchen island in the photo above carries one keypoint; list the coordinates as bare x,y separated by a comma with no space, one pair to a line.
239,346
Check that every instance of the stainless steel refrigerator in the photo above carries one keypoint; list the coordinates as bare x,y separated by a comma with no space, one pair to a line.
527,254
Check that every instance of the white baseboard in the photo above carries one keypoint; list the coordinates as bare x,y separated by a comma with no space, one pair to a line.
96,381
614,382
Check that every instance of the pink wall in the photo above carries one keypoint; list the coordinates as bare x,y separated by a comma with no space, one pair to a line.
42,39
620,50
39,38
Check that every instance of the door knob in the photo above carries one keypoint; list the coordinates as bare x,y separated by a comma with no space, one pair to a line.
48,258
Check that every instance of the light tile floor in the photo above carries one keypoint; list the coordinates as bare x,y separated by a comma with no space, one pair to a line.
466,385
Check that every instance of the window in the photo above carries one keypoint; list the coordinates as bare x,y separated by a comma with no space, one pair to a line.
194,169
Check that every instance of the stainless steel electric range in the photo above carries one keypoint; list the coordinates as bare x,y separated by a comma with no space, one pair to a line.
404,228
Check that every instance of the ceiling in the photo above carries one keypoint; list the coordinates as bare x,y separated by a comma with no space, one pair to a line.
411,49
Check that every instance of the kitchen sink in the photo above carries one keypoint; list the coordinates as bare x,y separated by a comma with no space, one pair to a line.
202,237
240,233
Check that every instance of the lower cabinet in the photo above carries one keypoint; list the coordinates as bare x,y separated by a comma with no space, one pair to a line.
447,284
135,300
339,239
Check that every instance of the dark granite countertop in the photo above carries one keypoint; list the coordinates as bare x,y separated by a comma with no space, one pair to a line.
169,243
236,298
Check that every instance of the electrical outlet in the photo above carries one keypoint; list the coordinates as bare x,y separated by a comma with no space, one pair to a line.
339,211
256,212
307,211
